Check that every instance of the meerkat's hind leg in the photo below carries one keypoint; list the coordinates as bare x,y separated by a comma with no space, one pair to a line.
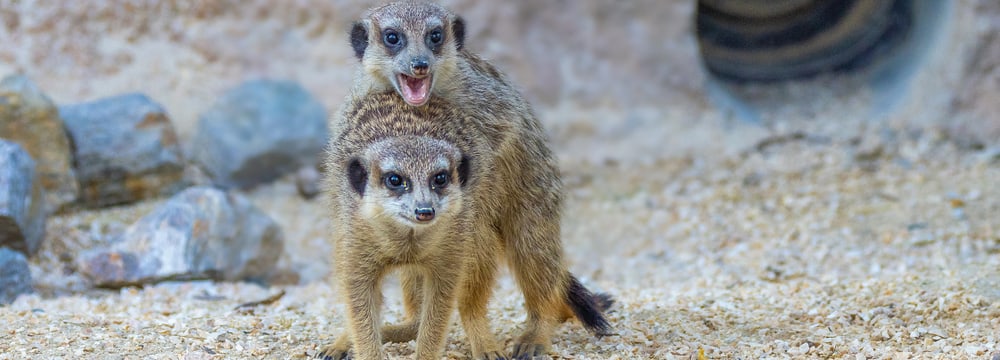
400,333
413,291
474,296
413,288
341,349
534,257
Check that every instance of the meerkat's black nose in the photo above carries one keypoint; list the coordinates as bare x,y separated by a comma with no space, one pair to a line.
425,213
419,65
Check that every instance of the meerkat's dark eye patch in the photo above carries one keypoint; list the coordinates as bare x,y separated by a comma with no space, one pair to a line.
434,40
440,180
393,39
359,39
458,32
395,182
357,176
463,170
436,37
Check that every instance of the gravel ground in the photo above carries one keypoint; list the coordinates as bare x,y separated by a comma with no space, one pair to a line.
801,247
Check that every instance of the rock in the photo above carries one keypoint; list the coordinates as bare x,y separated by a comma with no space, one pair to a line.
258,132
196,176
126,150
200,233
991,156
22,200
976,122
29,118
307,181
15,276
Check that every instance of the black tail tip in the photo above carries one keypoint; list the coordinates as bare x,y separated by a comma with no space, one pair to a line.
589,308
604,301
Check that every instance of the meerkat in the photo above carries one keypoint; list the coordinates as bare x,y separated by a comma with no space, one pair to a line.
445,197
409,215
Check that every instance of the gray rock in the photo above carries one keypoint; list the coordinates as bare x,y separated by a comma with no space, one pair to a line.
258,132
126,150
200,233
29,118
22,201
307,181
15,276
991,156
976,118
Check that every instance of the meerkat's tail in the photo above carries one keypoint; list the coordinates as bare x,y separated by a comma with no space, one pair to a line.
589,307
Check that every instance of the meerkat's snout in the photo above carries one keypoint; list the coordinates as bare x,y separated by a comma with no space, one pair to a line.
424,213
425,203
416,86
416,89
419,65
414,66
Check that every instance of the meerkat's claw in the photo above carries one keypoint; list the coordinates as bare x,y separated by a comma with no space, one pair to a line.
492,355
331,352
528,351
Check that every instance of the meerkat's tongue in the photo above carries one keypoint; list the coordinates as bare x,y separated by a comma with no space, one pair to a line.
415,91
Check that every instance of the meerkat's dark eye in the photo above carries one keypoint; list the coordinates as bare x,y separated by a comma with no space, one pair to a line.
440,180
435,37
391,38
394,182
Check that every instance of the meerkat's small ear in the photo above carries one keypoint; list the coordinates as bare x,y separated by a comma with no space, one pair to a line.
463,170
458,31
359,39
357,176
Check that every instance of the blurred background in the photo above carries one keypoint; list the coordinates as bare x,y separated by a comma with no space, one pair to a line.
618,66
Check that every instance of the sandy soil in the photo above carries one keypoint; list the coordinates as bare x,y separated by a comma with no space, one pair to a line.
807,247
824,232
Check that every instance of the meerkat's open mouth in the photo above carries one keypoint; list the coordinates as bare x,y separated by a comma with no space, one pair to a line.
415,91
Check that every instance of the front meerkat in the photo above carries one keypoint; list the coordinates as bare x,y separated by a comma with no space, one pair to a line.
406,213
501,202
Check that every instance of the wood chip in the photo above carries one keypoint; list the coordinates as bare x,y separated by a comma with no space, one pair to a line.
268,301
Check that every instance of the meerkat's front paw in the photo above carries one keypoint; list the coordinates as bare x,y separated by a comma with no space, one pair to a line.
334,352
490,355
524,351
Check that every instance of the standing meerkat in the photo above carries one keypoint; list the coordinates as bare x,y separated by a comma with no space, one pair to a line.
415,73
445,197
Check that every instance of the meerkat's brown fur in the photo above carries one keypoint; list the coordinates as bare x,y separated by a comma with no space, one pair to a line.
509,210
512,190
373,236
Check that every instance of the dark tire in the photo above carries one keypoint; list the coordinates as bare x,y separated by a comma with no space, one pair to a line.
773,40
